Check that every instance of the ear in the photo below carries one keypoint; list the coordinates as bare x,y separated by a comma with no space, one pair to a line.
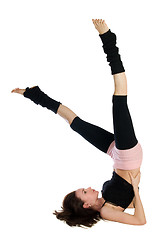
86,205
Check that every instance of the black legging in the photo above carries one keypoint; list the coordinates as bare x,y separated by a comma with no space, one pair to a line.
124,134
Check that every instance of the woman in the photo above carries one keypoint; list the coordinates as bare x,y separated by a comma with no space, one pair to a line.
83,207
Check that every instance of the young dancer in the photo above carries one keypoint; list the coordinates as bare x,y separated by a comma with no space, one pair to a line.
82,207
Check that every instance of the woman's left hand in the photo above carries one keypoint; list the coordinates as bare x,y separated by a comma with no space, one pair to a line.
135,181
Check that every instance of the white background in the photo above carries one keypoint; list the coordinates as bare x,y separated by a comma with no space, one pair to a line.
54,44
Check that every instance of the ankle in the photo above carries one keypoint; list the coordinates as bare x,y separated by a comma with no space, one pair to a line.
104,31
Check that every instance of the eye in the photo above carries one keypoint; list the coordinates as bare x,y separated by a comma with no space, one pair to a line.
84,192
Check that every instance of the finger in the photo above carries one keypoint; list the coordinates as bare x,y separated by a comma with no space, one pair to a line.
130,175
138,174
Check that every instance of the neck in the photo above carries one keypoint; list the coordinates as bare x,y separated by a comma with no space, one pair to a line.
98,204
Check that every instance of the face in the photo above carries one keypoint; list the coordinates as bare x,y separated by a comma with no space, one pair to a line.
89,196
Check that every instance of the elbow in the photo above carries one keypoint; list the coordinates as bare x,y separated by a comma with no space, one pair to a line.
142,222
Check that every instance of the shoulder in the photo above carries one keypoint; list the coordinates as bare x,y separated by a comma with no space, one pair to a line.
106,210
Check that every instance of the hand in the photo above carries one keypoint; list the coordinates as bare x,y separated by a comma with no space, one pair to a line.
20,91
135,181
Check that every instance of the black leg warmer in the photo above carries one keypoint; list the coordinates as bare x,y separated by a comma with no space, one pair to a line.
109,46
37,96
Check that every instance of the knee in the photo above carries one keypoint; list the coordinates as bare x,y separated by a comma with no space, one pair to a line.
70,121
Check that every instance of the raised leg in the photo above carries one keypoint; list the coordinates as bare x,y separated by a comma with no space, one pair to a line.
124,133
120,82
39,97
66,113
109,45
97,136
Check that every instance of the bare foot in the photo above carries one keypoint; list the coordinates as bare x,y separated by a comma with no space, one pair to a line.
18,90
100,25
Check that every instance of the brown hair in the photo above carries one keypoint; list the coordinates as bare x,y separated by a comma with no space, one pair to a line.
74,214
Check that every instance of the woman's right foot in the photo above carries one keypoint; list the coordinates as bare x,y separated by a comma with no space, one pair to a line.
18,90
100,25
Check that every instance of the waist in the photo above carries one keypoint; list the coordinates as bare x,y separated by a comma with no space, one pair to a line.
126,159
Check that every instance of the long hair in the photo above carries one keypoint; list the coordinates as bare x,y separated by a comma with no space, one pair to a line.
74,214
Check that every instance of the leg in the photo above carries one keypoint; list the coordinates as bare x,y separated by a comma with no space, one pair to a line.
97,136
108,39
124,133
123,128
66,113
120,82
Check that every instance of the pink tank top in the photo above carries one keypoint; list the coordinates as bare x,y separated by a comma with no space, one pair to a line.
126,159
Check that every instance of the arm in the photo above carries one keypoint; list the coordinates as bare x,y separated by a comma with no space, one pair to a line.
117,216
137,219
121,217
131,205
139,210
